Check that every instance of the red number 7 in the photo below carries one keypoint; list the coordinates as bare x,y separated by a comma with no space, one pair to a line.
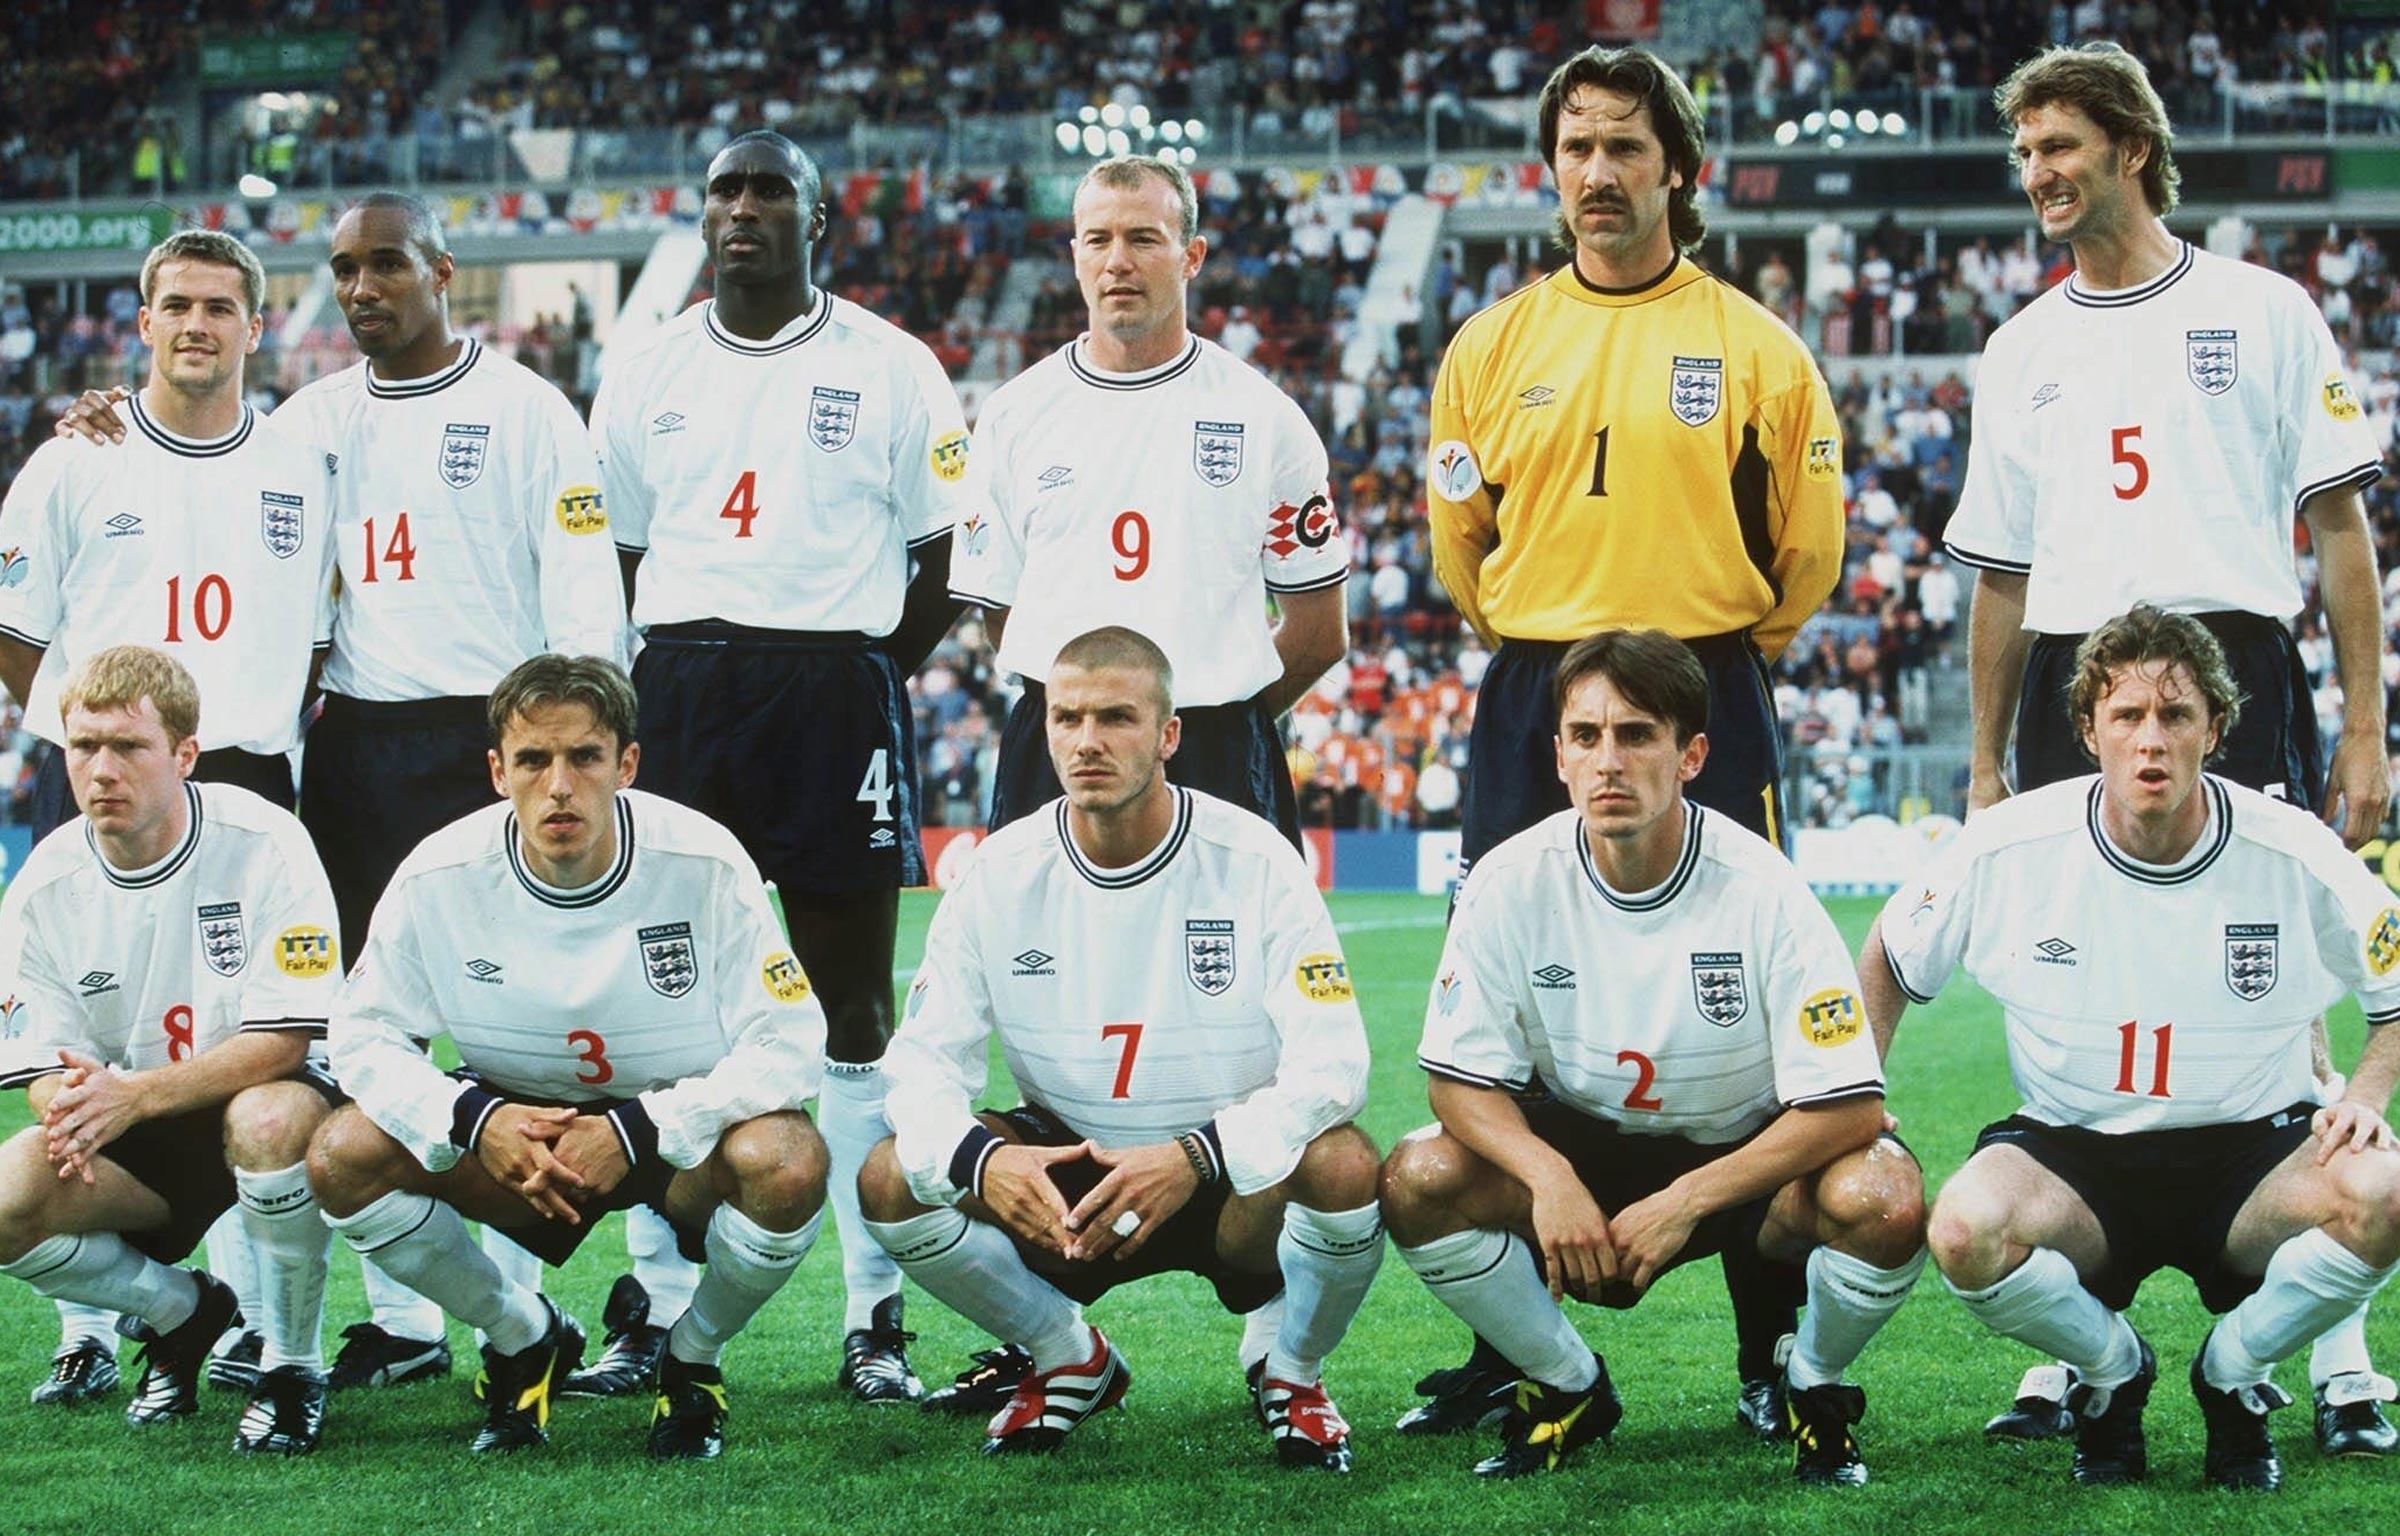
1132,1034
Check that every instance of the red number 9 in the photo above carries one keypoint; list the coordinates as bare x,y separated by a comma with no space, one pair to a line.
1130,537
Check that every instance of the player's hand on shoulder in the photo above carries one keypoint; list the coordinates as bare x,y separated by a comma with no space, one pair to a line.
589,1147
515,1150
1150,1182
1018,1191
2348,1123
93,416
1985,790
1579,1254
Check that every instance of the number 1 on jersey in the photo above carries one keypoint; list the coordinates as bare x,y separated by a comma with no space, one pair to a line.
742,506
2128,1040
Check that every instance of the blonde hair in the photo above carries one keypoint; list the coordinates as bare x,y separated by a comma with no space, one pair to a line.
124,675
1129,173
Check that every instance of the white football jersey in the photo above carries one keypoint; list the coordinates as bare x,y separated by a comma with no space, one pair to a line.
1700,1009
665,982
1171,502
218,552
2154,444
233,931
1201,988
743,514
470,527
2138,997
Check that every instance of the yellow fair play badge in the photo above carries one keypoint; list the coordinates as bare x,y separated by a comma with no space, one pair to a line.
304,952
2383,942
1323,979
786,982
950,456
1831,1018
580,509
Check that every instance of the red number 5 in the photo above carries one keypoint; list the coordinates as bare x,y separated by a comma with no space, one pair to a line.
1131,1034
2120,451
593,1053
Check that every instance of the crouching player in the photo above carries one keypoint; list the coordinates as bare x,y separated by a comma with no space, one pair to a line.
630,1031
2160,941
1166,987
168,958
1693,1016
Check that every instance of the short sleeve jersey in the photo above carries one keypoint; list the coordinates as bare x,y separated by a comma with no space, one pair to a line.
233,930
2141,997
2153,444
1700,1009
218,552
1170,501
779,483
1200,988
471,531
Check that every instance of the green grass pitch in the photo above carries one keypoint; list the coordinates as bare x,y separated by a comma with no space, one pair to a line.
1183,1454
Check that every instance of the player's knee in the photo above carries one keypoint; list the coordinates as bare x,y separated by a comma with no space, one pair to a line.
1964,1233
883,1192
269,1126
2368,1189
352,1162
1338,1171
778,1165
1874,1203
25,1183
1421,1181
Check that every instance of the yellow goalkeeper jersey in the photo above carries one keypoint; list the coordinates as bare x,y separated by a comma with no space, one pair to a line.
1665,456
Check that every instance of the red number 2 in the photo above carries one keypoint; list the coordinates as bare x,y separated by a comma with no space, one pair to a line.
593,1053
1132,1036
1645,1073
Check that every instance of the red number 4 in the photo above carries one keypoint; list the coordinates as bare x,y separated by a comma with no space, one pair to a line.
742,505
1131,1034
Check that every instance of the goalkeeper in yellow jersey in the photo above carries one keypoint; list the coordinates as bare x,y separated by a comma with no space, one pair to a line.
1630,443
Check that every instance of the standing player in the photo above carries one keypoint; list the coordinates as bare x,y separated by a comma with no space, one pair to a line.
2146,432
1141,476
787,577
2160,941
1711,1084
174,952
630,1031
1192,1113
205,535
1630,443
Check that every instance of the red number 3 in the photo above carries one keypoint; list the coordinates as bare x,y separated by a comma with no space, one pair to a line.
593,1053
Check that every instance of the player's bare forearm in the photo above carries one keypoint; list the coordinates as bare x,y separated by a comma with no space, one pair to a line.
1488,1123
2378,1069
2360,779
928,611
1312,634
18,663
1881,990
1799,1141
251,1057
1996,647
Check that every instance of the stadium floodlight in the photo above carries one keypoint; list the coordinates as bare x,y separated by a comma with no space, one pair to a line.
1088,114
1112,115
1868,122
255,186
1840,119
1835,140
1068,137
1195,131
1119,142
274,101
1787,133
1095,141
1137,116
1190,154
1813,124
1171,131
1894,125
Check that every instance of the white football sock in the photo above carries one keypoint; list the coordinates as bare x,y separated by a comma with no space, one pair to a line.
292,1241
232,1260
1488,1278
659,1264
1329,1258
77,1322
2311,1283
424,1245
517,1264
101,1269
2043,1303
1848,1300
396,1309
850,1118
974,1270
747,1265
1258,1334
2341,1350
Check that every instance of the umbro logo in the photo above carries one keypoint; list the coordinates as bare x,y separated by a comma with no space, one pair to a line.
882,838
2044,395
96,982
1554,978
484,971
1539,395
1032,962
1056,477
671,421
123,525
2054,952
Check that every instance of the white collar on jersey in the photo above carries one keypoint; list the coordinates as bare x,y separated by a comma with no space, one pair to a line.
162,871
1141,869
1101,378
1663,892
441,378
2214,835
799,330
191,447
582,896
2118,298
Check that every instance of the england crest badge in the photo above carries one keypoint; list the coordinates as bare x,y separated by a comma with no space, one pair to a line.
668,961
2213,359
2250,951
1696,389
1208,953
282,523
222,943
464,445
1718,990
1217,452
832,417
